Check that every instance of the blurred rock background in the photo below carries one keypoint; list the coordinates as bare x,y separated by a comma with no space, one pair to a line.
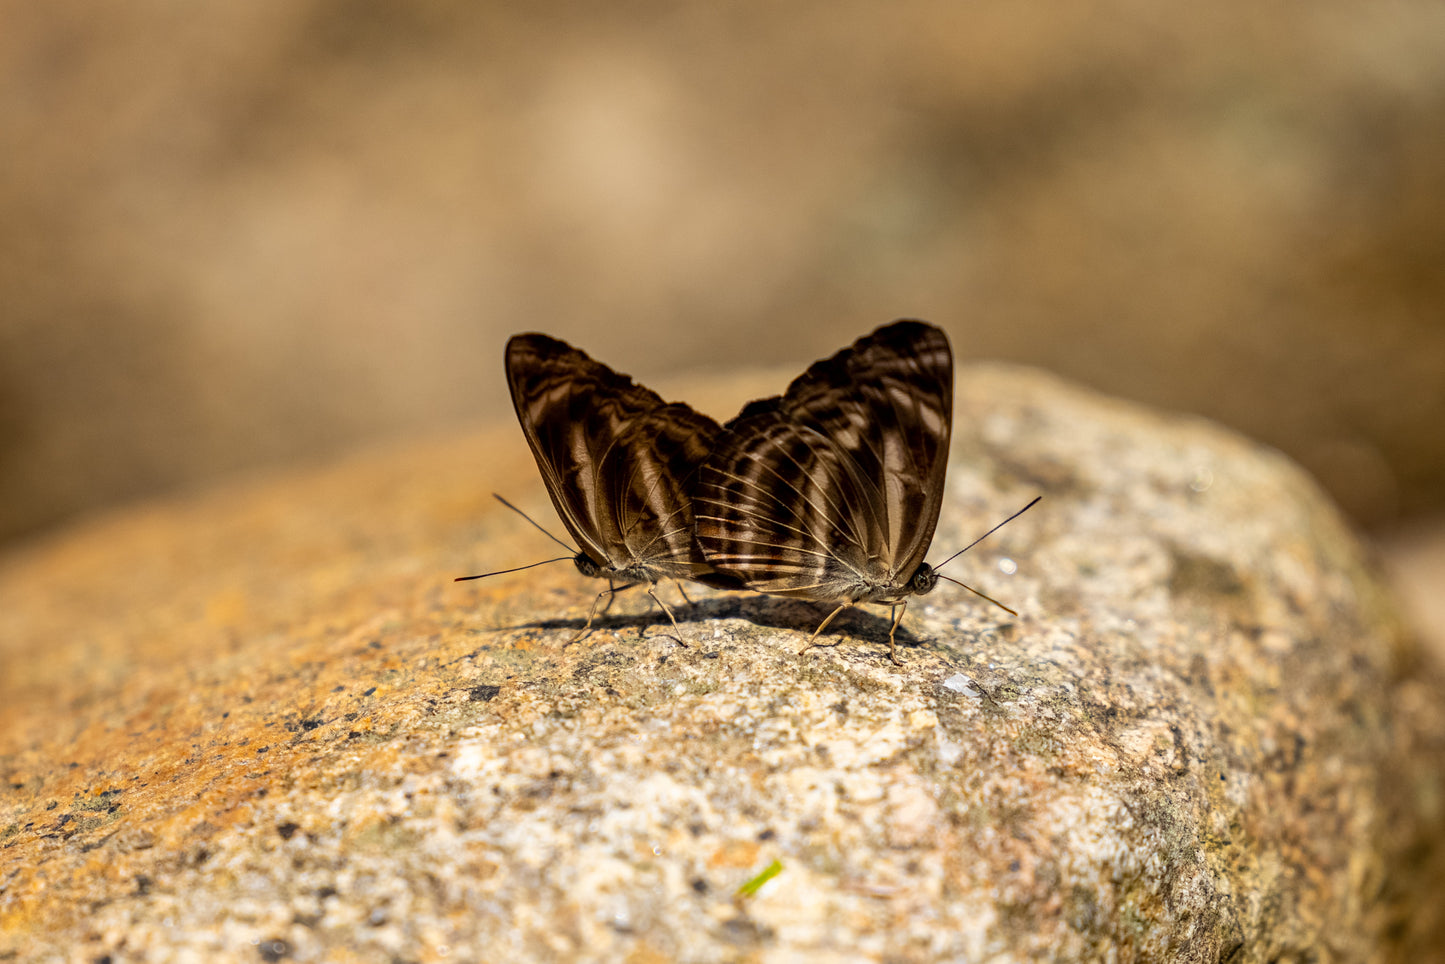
237,236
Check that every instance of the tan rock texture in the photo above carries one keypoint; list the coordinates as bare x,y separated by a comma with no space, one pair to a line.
263,724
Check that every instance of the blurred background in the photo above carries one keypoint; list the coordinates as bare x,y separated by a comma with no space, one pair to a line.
236,236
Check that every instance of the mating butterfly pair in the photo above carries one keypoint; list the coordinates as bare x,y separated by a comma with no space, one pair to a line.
828,492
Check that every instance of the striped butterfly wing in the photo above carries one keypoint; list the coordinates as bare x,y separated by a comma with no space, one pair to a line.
615,458
832,490
650,473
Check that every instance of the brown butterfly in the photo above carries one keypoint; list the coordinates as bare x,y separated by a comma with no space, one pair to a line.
831,491
617,462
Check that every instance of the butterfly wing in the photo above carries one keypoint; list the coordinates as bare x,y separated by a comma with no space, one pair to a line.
832,490
614,457
650,474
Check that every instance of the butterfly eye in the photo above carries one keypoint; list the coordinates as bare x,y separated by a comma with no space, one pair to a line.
924,579
586,566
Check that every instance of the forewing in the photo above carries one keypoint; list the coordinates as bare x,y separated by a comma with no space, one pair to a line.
573,410
855,452
616,459
888,401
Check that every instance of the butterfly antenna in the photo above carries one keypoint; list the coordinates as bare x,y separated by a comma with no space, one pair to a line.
981,594
503,572
977,541
537,527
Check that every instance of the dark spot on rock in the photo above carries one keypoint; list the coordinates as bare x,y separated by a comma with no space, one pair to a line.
699,885
274,949
743,930
104,800
337,689
309,725
767,835
1050,474
712,655
1196,575
374,644
52,805
483,693
369,691
287,830
1081,909
143,884
324,892
262,749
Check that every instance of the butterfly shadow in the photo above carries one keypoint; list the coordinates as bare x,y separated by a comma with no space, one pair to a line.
653,623
798,616
686,612
854,624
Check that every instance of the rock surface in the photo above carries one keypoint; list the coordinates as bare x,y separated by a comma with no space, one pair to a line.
262,724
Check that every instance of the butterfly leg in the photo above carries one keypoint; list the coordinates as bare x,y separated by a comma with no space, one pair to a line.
684,592
612,592
592,614
812,640
667,609
892,646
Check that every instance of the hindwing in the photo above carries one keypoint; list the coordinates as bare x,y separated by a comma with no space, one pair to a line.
832,489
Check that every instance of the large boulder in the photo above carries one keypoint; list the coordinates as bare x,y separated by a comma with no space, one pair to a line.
263,724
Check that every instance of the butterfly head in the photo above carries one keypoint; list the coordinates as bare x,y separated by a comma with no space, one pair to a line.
923,580
586,565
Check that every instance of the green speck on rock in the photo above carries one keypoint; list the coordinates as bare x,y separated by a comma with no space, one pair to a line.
768,873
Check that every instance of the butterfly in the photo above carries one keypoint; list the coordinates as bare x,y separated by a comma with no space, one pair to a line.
831,491
617,462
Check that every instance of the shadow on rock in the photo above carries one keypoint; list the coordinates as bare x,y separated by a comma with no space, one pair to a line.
855,624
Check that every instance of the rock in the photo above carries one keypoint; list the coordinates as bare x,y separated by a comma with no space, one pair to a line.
1414,558
262,723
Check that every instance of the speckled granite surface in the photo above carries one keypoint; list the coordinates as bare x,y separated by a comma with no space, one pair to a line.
261,724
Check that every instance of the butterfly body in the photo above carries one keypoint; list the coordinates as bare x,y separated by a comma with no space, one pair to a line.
616,461
831,491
